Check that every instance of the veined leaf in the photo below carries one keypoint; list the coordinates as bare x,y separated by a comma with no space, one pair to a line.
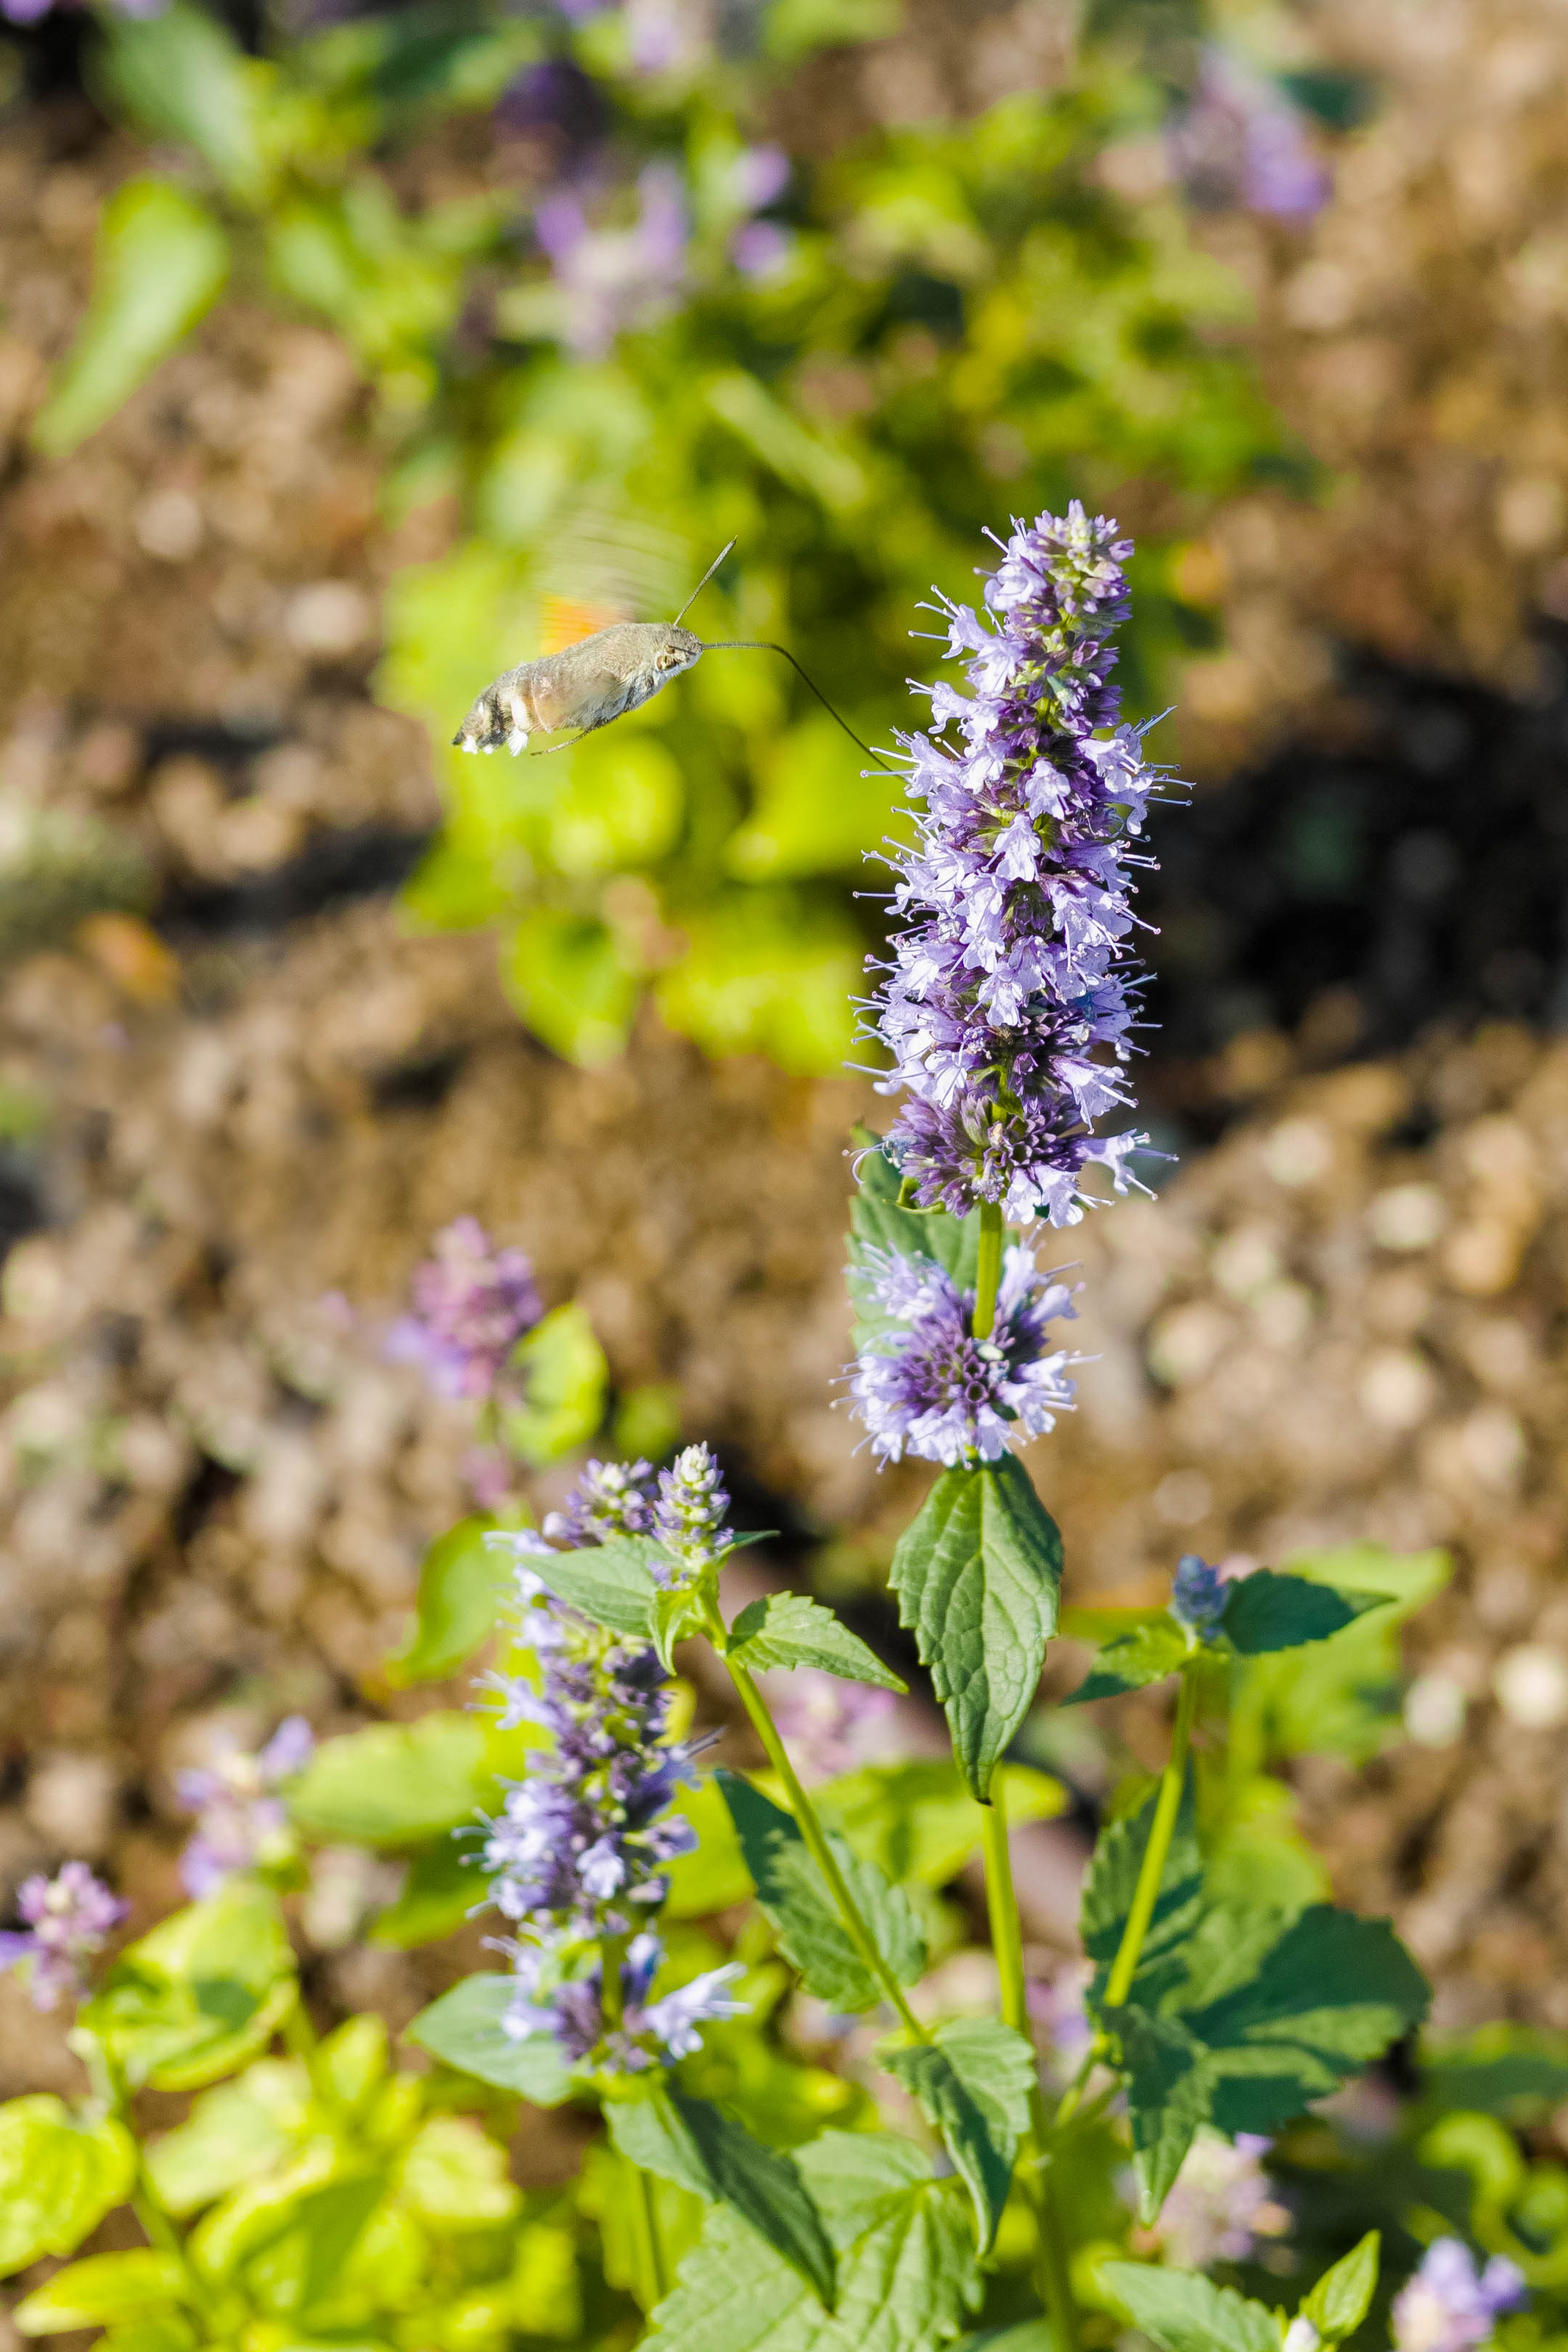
1266,1612
916,1820
1108,1891
101,2290
795,1898
158,263
58,2178
303,2223
463,2029
565,1383
714,1874
977,1577
204,1991
974,2083
613,1583
462,1582
906,2264
395,1784
786,1629
1144,1655
697,2146
1184,2313
1342,2296
876,1221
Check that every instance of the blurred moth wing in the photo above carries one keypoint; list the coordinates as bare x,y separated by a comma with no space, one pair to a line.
586,686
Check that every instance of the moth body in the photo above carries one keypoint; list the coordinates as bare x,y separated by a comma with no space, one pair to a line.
587,685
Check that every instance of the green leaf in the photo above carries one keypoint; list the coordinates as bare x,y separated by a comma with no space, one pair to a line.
977,1577
1109,1883
1266,1612
565,1383
572,982
204,1991
714,1874
463,2029
1187,2313
100,2289
232,2134
699,2148
395,1784
1518,2071
1341,1696
917,1819
58,2177
613,1583
788,1630
456,2177
1145,1654
676,1612
906,2264
876,1222
443,1887
795,1898
158,263
462,1582
302,2226
182,76
974,2083
1342,2296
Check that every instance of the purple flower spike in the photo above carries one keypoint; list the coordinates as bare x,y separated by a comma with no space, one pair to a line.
69,1918
650,2034
241,1822
927,1386
1449,2306
1198,1594
688,1517
1009,1003
472,1303
610,1499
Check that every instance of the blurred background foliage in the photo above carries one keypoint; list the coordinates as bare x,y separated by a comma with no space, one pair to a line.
674,309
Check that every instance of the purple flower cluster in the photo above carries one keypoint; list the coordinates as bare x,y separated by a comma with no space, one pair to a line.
1222,2204
613,278
472,1303
1449,2305
689,1513
926,1386
1008,1004
1198,1594
609,1499
1243,142
30,11
69,1918
648,2033
240,1821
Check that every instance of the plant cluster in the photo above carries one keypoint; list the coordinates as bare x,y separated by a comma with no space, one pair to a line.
645,325
807,2121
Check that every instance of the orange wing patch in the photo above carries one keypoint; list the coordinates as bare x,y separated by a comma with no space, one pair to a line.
566,622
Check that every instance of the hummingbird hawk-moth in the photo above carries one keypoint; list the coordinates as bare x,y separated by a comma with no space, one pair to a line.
601,677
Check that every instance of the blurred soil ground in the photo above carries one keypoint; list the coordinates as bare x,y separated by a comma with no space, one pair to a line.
230,1137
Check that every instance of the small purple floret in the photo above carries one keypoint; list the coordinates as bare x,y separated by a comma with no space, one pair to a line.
926,1386
609,1499
69,1918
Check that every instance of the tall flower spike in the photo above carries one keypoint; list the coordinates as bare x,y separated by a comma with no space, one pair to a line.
610,1498
926,1386
69,1918
1008,1003
688,1517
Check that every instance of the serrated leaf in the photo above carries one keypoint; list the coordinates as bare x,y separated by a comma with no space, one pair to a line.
613,1583
697,2146
1342,2296
906,2268
100,2289
1267,1611
917,1820
395,1784
60,2175
565,1383
1112,1880
159,262
1144,1655
786,1629
977,1577
204,1991
797,1900
463,2029
973,2082
1184,2313
462,1582
875,1220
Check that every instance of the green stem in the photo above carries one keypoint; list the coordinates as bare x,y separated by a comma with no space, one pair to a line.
1008,1942
988,1270
809,1826
645,2231
1146,1893
157,2221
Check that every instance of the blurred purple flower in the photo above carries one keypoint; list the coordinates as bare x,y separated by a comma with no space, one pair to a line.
1058,2011
1243,142
926,1386
239,1822
759,176
615,279
1222,2204
1198,1594
760,249
829,1726
69,1918
650,2033
1449,2305
554,96
472,1303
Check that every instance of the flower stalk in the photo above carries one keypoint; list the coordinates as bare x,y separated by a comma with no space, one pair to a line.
1146,1893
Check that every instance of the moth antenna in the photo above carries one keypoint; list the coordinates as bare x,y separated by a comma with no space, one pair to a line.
766,645
702,583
